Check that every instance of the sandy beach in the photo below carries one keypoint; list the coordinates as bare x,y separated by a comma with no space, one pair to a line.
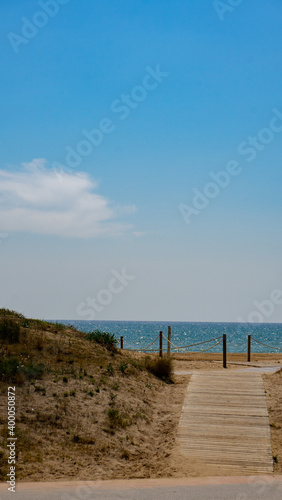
213,361
84,411
70,437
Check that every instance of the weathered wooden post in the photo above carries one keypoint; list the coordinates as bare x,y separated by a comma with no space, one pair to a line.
169,341
249,348
224,350
121,342
161,345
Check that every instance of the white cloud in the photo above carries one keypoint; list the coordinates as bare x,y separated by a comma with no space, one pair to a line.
139,234
44,201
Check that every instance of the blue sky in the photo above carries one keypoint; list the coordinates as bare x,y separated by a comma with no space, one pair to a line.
65,228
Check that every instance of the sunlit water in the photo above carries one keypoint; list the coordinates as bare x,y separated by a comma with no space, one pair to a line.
139,334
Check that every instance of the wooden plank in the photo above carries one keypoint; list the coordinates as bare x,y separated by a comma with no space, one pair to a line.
224,422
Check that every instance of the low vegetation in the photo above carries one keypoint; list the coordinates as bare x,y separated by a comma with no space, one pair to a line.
106,339
4,313
9,330
160,367
81,403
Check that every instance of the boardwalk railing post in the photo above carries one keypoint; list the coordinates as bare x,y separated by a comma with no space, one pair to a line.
161,345
121,342
224,350
169,341
249,348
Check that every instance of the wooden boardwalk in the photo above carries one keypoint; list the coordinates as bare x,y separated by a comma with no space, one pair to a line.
224,422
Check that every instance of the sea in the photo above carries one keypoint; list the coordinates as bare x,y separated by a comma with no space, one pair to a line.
266,337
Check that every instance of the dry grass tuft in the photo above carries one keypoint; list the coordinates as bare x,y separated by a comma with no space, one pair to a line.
160,367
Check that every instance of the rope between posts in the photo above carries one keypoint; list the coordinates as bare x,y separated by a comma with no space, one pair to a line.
148,350
202,350
145,348
209,348
128,344
270,346
192,345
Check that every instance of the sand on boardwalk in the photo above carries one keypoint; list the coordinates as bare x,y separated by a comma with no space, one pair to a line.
176,465
211,361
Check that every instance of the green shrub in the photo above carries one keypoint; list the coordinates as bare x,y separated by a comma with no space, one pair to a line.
25,323
104,338
9,331
160,367
40,324
116,420
112,397
33,371
37,388
82,440
110,369
60,326
122,367
8,312
9,369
